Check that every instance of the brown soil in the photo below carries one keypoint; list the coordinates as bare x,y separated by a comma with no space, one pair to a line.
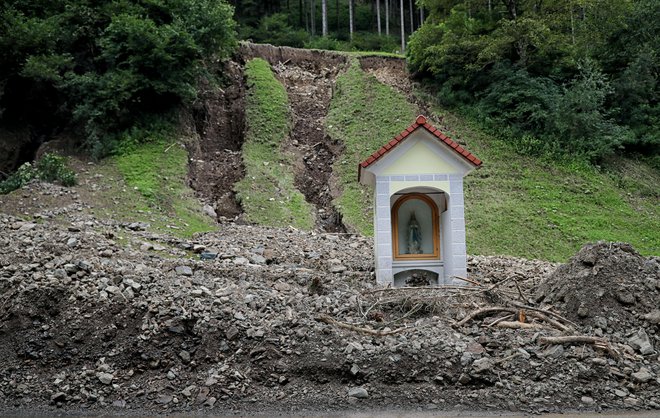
309,78
389,71
215,159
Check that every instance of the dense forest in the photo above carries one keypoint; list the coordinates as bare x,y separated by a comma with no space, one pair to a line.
557,77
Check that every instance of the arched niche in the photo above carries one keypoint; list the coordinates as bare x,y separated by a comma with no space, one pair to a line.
415,216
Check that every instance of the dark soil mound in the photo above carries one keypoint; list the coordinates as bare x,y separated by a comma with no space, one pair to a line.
607,285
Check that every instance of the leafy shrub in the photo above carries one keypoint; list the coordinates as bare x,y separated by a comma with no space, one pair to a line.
275,29
367,41
51,168
106,65
331,44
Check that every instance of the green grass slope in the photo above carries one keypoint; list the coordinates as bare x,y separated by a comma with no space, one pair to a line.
515,205
536,208
155,189
267,193
364,114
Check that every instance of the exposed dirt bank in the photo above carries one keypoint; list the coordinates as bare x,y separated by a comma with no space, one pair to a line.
291,322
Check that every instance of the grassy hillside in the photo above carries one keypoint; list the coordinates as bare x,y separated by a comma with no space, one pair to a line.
536,208
515,205
364,114
267,193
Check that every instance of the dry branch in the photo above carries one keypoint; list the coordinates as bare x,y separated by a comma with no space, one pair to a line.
520,325
553,322
439,287
544,311
369,331
465,279
484,311
597,342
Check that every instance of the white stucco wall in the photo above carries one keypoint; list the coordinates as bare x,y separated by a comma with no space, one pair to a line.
421,162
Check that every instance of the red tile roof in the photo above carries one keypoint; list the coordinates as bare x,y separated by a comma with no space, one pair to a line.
420,122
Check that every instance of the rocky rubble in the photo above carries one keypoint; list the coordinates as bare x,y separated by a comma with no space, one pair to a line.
255,319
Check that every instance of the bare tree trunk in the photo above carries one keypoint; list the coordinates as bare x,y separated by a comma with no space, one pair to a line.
303,12
350,18
511,7
412,16
421,16
403,28
312,16
337,14
380,32
387,17
324,17
301,8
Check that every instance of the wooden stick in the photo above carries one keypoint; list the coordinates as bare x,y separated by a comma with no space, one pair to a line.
498,320
544,311
519,325
369,331
440,287
554,323
484,311
465,279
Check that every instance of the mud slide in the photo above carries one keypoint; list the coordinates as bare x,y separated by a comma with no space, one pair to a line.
309,78
215,160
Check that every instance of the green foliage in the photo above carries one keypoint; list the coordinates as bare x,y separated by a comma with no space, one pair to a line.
364,114
267,192
563,203
107,65
276,30
560,76
50,168
155,166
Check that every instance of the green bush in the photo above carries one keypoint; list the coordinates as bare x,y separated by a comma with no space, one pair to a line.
51,168
275,29
106,65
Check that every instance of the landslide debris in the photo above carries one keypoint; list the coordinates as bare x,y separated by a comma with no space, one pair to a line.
218,118
309,78
610,288
105,316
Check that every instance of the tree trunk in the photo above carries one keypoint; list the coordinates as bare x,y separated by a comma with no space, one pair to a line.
350,18
511,7
412,16
387,17
403,28
312,16
300,9
337,14
324,17
380,32
421,16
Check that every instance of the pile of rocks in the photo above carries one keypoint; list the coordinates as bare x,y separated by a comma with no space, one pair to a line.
101,315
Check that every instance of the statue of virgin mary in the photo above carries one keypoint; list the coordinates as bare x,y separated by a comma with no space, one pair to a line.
414,236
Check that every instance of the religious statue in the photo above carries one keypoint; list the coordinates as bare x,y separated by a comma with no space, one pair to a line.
414,236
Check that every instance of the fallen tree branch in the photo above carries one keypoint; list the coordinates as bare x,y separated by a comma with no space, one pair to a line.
520,325
554,323
598,342
544,311
465,279
484,311
369,331
498,320
439,287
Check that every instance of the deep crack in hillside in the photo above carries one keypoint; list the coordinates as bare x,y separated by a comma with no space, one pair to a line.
309,78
